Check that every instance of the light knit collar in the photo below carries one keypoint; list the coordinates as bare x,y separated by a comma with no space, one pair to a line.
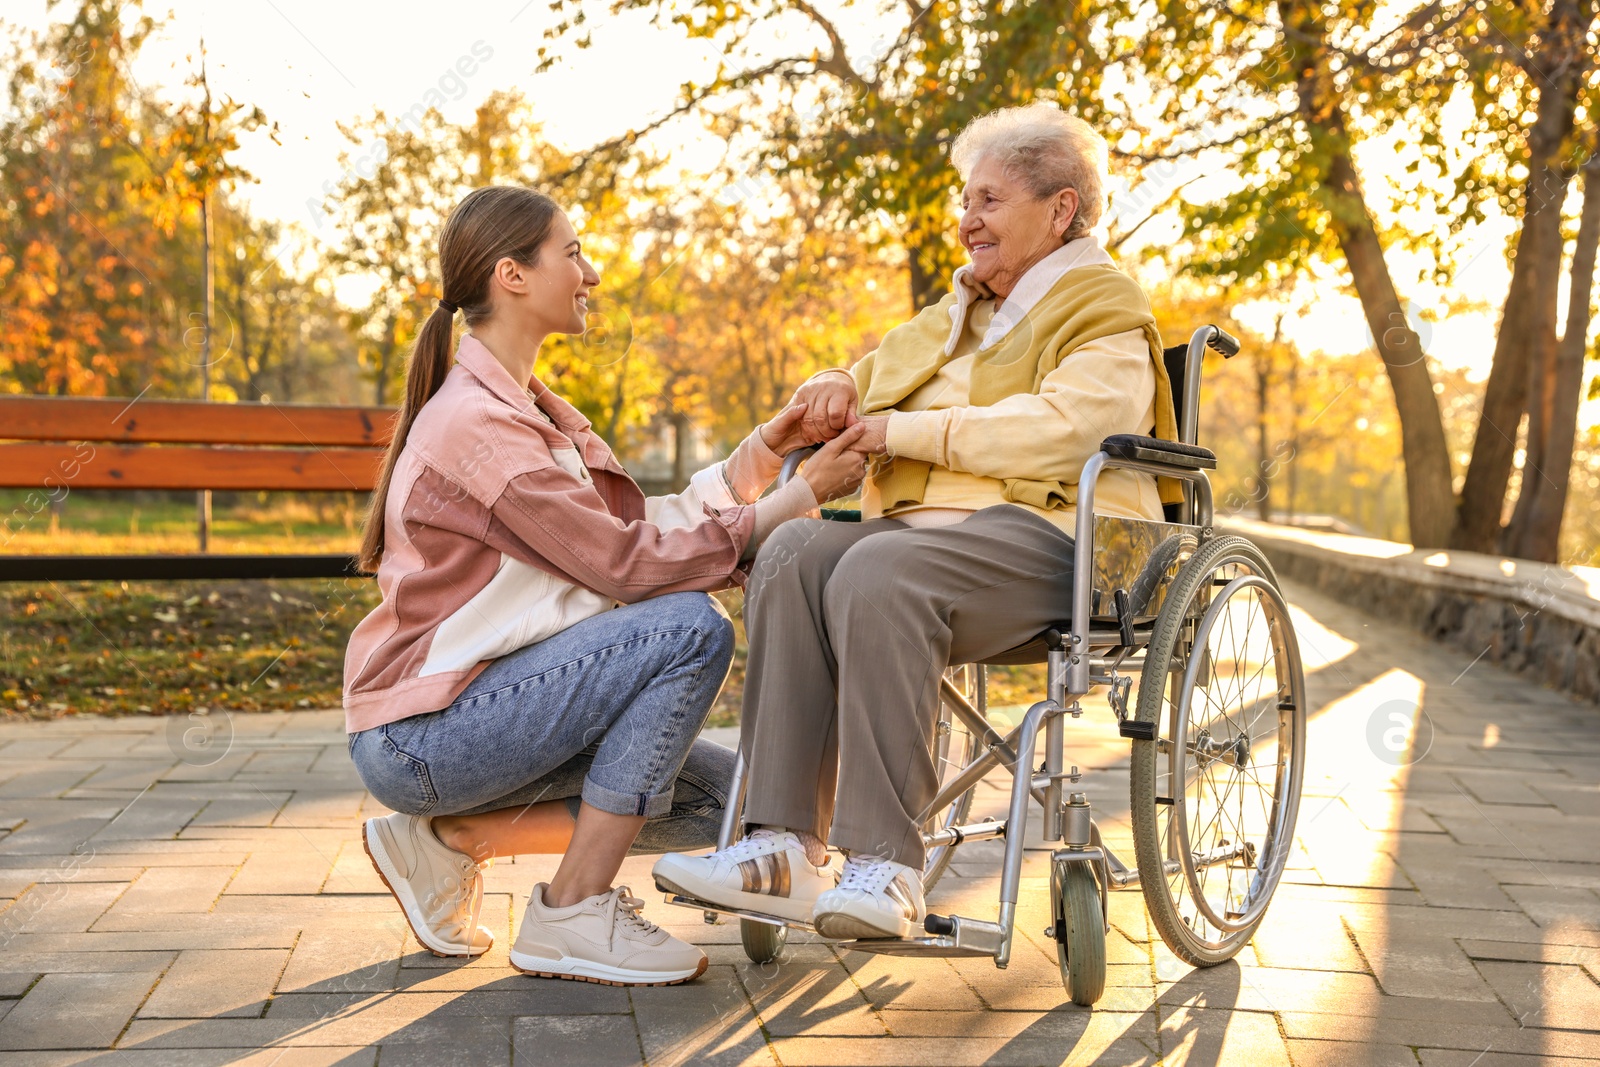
1031,288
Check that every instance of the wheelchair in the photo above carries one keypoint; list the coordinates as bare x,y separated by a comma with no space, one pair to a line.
1217,727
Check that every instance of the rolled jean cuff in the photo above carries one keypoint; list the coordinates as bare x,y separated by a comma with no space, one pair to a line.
650,805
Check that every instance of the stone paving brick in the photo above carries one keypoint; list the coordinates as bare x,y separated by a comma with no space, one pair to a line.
205,1057
266,874
341,961
466,1049
207,983
1209,1035
608,1039
280,760
258,810
16,983
1432,1033
425,1026
84,1010
1437,1057
1546,995
711,1024
162,890
808,999
59,906
1349,1054
1415,965
353,872
149,818
127,775
1550,905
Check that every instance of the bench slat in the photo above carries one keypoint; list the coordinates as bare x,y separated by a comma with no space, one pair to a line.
168,567
85,466
51,418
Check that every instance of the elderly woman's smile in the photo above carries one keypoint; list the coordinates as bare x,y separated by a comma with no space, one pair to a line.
1005,227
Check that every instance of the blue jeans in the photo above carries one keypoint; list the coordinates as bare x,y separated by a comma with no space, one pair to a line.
607,711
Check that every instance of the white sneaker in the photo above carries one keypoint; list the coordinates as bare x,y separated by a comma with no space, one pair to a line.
766,872
875,898
601,939
439,889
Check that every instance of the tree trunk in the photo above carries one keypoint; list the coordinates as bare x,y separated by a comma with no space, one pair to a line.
927,286
1263,486
1294,435
1527,324
1430,497
681,438
386,347
1535,531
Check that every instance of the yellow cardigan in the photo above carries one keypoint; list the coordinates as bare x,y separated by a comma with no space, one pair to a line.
1085,304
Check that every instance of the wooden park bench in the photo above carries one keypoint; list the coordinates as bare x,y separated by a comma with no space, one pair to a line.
48,444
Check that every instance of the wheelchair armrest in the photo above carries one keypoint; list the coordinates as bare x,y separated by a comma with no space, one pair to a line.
1155,450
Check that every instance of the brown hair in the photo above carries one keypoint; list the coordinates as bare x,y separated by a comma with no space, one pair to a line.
490,224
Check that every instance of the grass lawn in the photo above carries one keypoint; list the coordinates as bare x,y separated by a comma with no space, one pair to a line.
126,647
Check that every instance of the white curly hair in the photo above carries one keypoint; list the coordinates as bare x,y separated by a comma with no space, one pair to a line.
1044,148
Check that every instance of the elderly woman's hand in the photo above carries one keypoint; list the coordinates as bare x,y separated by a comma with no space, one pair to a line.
830,401
874,437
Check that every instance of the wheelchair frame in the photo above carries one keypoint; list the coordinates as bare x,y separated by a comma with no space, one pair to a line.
1075,663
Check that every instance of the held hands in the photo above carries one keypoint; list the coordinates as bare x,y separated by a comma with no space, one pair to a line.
837,468
786,431
830,403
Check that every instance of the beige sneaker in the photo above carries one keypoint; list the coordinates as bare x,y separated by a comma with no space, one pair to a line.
601,939
439,889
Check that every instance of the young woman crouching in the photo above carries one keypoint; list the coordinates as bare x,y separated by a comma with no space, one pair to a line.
545,654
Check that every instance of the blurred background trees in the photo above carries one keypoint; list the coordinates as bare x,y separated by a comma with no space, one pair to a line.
832,217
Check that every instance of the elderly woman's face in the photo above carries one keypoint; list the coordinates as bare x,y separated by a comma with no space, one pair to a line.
1005,229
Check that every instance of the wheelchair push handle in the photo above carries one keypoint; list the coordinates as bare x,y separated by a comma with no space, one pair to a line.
1224,342
791,464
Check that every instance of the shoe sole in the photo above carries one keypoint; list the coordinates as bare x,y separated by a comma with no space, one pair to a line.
383,876
571,970
839,926
736,900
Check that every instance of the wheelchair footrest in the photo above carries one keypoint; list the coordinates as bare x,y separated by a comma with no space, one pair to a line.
702,905
1138,731
948,935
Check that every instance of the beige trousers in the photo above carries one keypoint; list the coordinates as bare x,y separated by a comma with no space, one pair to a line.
850,627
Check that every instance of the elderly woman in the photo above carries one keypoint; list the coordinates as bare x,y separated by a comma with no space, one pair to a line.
986,404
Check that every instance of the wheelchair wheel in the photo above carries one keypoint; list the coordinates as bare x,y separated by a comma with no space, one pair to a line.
1080,930
954,747
1215,795
762,941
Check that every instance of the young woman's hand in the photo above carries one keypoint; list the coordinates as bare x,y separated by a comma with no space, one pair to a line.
838,467
786,431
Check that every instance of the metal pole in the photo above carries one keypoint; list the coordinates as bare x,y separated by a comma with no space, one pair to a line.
203,498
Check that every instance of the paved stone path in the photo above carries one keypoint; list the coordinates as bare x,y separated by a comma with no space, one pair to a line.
176,895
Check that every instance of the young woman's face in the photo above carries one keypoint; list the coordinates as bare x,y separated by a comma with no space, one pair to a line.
560,284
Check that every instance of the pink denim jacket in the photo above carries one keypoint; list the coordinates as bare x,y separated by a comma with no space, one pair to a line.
503,529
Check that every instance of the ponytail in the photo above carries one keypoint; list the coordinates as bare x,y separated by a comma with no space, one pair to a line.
489,225
430,362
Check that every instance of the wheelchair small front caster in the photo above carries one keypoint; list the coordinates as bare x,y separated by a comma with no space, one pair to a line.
762,941
1079,932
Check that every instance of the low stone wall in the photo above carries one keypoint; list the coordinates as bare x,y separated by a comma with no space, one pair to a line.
1535,618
